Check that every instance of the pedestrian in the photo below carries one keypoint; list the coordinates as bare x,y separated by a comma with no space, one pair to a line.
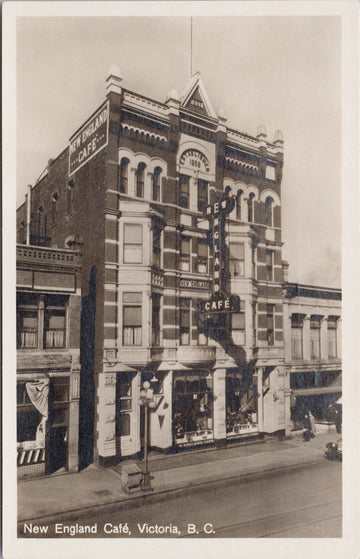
312,424
338,420
307,427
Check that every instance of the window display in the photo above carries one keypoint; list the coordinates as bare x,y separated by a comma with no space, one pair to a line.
192,408
241,405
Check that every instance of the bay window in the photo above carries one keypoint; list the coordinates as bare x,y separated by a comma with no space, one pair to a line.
133,243
132,319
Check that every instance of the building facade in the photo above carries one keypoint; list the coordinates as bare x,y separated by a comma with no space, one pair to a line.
140,189
48,305
312,333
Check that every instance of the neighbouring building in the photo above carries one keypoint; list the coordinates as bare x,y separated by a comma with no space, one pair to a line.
174,211
312,333
48,305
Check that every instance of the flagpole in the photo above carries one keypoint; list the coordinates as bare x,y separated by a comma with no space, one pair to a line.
190,61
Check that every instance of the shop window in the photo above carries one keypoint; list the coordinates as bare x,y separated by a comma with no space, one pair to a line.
269,211
132,319
241,403
315,323
28,418
123,404
156,304
269,265
27,328
192,408
238,326
157,247
133,243
332,336
202,257
270,324
297,336
156,184
236,259
184,191
185,254
251,207
238,204
124,175
140,180
202,194
185,330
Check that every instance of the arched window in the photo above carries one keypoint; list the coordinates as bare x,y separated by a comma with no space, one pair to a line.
140,175
156,184
124,171
251,207
269,211
238,204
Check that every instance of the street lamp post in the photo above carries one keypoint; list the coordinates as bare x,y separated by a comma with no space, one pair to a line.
148,401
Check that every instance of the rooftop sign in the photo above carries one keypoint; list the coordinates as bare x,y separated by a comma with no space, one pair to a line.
89,140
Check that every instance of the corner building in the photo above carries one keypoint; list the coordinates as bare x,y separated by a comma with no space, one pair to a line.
130,192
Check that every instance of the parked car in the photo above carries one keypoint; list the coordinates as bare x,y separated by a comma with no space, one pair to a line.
333,451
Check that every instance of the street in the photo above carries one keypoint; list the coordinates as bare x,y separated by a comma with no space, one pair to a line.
299,503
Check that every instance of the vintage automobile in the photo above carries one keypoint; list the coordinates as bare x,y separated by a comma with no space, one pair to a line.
333,451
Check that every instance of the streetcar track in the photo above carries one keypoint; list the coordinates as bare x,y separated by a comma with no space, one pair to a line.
272,517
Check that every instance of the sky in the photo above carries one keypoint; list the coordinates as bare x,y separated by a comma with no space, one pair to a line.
281,72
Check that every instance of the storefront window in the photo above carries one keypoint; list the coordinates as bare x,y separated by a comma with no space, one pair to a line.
241,404
192,408
123,404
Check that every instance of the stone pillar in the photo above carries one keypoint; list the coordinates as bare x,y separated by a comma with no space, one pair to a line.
324,338
73,436
161,417
132,181
306,339
338,337
193,194
106,416
260,416
219,405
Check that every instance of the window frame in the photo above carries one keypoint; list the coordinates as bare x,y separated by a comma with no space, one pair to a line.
128,247
132,305
184,191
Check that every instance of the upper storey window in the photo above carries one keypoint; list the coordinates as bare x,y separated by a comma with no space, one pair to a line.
156,184
184,191
251,207
269,206
202,195
133,243
238,204
140,180
124,175
185,254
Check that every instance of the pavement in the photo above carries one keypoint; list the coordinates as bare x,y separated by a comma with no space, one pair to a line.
65,495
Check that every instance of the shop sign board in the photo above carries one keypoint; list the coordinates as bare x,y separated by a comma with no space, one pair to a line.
89,140
220,304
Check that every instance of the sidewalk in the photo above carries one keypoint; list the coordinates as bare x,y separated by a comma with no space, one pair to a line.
95,487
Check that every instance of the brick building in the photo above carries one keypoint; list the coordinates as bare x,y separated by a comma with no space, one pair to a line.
48,305
131,190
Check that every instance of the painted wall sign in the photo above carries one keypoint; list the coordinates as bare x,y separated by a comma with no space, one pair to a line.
196,159
89,140
193,284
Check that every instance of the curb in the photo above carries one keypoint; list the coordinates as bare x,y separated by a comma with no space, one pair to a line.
164,494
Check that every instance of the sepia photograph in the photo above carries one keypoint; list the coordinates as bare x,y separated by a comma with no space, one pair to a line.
180,280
